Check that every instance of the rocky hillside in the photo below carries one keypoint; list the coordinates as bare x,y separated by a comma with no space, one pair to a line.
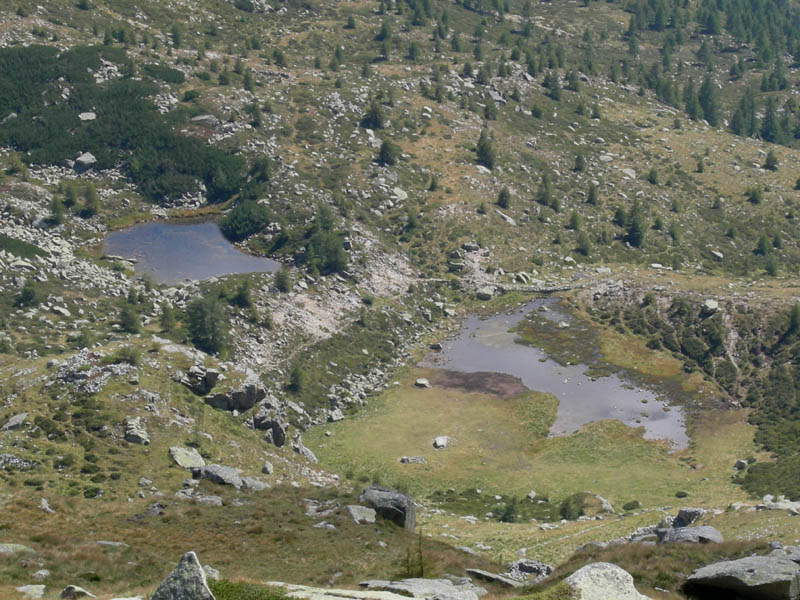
408,163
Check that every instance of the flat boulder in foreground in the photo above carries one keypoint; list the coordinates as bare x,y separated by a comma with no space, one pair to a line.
604,581
756,577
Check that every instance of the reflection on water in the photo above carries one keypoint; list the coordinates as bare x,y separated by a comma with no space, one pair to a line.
173,252
487,345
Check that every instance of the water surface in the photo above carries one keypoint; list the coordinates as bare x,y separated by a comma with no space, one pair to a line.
173,252
488,345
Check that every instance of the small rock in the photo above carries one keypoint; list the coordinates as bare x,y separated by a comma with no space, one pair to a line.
255,484
360,514
209,500
14,548
86,159
186,458
221,475
15,422
422,383
31,591
485,293
73,591
710,306
441,442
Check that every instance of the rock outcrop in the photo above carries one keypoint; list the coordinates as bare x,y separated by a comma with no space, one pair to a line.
186,458
528,570
187,581
244,397
302,450
221,475
269,419
135,433
391,505
687,516
443,589
15,422
705,534
497,578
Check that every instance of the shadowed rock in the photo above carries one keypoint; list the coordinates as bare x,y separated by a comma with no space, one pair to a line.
687,516
71,592
757,577
222,475
391,505
705,534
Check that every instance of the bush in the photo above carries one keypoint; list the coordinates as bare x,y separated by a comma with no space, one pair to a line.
29,296
771,163
572,507
771,266
389,153
325,252
583,245
129,319
241,297
167,317
244,220
755,194
239,590
283,280
296,379
504,198
207,325
163,163
244,5
125,354
164,73
485,151
92,492
632,505
19,248
374,119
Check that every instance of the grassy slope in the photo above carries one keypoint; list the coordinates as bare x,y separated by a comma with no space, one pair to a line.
268,538
636,131
495,450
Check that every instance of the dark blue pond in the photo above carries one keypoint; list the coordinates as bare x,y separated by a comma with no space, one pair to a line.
174,252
